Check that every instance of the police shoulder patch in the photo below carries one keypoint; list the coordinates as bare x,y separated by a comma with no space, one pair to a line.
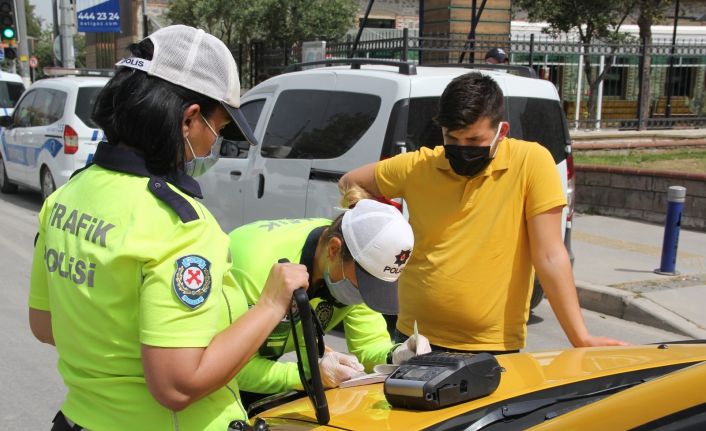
324,312
192,280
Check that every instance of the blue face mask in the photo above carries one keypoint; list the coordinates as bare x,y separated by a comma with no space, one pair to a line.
198,166
343,291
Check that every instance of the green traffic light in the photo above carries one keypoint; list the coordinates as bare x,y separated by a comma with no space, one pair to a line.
8,33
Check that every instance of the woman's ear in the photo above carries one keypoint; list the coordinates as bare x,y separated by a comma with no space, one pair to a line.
189,116
333,247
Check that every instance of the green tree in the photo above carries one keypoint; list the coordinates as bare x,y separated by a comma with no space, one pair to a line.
44,51
34,23
278,21
593,21
294,21
284,23
228,20
650,11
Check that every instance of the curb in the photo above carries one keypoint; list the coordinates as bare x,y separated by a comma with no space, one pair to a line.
631,306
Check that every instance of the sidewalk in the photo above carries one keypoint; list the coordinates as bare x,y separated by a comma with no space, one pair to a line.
614,268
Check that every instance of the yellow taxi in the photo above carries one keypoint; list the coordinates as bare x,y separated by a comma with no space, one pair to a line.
651,387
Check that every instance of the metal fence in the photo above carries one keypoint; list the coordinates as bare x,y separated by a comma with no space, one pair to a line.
563,61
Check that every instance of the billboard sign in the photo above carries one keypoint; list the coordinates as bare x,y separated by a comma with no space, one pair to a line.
98,16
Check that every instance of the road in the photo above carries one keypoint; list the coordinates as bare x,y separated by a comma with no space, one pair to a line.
32,390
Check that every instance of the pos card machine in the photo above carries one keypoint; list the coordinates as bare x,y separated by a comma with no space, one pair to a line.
440,379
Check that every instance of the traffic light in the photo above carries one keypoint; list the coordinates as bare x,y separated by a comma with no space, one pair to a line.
8,26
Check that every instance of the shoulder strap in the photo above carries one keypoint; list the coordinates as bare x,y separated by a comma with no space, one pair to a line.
177,202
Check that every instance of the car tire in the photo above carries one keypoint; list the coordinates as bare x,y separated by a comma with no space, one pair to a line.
537,294
47,183
5,185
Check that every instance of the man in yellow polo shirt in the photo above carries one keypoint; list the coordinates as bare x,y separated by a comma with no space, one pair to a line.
484,209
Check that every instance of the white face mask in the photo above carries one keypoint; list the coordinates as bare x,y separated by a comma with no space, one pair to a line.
197,166
343,291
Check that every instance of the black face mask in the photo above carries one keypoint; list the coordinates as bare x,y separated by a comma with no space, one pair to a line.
467,161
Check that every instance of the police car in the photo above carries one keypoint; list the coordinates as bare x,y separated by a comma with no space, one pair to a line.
11,88
50,134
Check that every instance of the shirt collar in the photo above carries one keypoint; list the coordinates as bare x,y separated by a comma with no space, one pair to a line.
123,159
500,162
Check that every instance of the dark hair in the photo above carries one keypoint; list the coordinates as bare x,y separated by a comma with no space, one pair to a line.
145,112
468,98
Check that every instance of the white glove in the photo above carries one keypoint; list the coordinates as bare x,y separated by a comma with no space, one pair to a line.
415,345
337,367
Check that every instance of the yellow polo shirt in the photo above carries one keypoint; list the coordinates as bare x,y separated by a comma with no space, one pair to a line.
468,282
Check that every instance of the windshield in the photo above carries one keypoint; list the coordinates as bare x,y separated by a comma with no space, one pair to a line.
10,93
534,408
531,119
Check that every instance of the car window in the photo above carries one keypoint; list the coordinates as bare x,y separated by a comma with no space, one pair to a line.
240,149
314,124
56,109
40,107
85,100
23,113
422,131
10,93
47,107
531,119
539,120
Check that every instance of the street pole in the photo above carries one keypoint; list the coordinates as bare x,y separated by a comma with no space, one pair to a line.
67,35
55,16
145,20
670,71
23,45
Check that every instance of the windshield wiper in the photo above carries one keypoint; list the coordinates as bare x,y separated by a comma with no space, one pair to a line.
523,408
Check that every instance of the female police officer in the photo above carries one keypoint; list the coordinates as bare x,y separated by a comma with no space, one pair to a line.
353,264
131,273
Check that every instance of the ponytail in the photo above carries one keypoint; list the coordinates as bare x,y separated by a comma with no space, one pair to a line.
350,195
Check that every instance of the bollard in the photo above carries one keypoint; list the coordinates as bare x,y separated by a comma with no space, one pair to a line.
675,204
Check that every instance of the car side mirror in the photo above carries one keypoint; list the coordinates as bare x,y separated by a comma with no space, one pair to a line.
5,121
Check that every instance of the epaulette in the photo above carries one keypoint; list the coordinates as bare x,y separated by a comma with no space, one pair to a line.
177,202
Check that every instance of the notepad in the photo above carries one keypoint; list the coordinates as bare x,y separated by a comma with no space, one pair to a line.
364,379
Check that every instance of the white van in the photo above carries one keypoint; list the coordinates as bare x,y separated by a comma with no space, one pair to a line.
50,134
315,125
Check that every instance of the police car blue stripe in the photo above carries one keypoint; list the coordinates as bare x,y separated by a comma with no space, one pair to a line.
28,156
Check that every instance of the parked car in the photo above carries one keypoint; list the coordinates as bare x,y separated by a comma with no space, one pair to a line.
652,387
50,134
11,88
314,125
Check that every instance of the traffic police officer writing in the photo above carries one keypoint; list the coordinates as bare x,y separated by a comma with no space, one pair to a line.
130,277
354,263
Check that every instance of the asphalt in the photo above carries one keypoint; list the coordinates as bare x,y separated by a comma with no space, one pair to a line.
616,259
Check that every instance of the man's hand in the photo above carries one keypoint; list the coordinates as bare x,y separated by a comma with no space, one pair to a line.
415,345
337,367
594,341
